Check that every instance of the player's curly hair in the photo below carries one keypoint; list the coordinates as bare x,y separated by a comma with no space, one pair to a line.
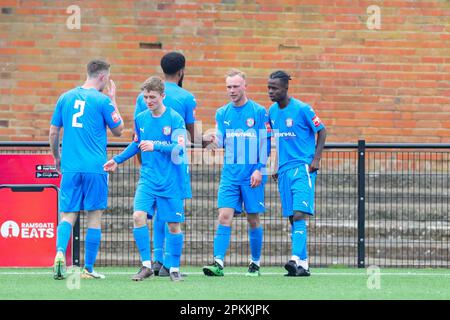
282,75
172,62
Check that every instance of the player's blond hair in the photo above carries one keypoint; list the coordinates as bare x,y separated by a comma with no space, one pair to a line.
235,72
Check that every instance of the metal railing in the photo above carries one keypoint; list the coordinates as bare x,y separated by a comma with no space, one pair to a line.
376,204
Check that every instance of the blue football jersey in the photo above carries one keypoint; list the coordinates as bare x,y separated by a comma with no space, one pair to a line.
177,98
241,131
164,171
84,114
294,128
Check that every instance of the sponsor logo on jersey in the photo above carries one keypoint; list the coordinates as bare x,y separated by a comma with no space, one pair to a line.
285,134
316,121
115,116
164,143
241,135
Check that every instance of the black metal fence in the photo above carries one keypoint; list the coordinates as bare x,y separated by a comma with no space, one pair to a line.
376,204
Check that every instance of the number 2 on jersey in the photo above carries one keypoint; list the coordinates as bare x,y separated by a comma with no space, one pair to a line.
79,104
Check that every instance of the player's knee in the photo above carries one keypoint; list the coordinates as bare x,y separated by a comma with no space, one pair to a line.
291,220
225,221
139,218
94,219
225,217
253,220
298,215
174,227
70,217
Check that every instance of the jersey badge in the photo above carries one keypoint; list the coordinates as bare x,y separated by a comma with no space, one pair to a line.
289,122
167,130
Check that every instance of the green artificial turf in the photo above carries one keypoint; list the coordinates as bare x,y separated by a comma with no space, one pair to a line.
324,284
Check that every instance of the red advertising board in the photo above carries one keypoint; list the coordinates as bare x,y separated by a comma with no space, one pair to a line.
28,222
28,210
28,169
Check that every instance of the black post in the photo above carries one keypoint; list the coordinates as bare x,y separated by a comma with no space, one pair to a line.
76,243
361,202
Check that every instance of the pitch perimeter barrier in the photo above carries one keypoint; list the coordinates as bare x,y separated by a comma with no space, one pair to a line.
376,204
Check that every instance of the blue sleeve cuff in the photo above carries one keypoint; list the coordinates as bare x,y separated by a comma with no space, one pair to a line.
126,154
259,166
168,148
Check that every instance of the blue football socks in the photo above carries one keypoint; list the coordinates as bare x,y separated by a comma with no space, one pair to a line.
299,237
142,238
174,245
92,244
159,237
221,241
255,237
64,231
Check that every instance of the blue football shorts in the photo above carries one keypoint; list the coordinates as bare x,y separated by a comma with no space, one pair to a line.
83,191
234,196
169,209
296,187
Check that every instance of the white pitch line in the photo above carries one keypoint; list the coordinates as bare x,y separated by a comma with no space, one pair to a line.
405,274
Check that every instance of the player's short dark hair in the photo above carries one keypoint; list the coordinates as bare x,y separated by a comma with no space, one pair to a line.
96,66
280,74
154,83
172,62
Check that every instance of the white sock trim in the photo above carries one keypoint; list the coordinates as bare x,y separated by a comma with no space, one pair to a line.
257,262
219,261
147,264
303,264
296,259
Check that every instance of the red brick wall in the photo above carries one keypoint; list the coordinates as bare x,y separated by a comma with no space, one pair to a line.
390,84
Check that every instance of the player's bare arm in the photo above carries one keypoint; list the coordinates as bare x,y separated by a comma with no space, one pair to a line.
111,93
275,166
53,138
321,137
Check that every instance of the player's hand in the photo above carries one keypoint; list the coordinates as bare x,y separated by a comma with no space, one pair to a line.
314,166
146,145
111,92
255,179
110,166
206,140
58,165
275,177
210,141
